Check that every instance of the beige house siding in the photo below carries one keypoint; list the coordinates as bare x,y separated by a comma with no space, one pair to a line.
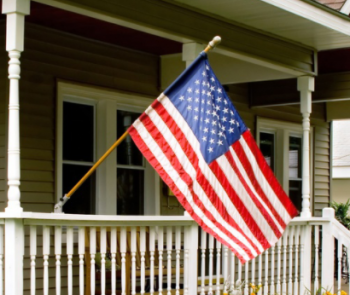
48,57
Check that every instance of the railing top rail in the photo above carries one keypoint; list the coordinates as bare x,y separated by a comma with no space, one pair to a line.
340,232
32,218
309,221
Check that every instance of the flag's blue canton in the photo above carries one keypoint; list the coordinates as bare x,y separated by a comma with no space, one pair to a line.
204,104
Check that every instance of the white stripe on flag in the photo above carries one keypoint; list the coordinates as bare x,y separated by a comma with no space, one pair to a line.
188,167
182,186
212,179
239,188
264,184
251,186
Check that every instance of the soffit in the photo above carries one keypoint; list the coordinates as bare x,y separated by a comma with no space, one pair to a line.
279,21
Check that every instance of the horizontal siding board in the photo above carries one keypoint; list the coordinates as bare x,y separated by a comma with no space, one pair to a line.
30,175
37,186
37,165
37,143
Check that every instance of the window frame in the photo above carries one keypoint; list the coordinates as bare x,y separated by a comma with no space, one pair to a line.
106,103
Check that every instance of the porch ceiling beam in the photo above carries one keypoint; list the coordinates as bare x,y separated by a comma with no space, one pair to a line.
328,88
184,25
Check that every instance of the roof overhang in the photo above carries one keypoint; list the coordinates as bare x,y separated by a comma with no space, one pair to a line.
305,22
281,36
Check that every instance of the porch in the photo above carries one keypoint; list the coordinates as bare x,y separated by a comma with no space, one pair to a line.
164,255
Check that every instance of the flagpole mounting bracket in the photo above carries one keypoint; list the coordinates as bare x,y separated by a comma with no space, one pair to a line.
58,207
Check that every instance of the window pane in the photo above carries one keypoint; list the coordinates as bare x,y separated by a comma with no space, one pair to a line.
295,193
130,186
294,157
267,147
83,200
78,132
295,183
127,151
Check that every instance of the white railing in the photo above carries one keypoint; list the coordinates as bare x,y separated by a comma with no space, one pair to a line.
89,254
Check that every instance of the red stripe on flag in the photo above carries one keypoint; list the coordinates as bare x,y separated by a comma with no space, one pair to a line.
287,203
237,202
202,180
167,179
167,150
249,170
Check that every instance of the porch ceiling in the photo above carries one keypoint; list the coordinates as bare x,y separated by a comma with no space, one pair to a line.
306,22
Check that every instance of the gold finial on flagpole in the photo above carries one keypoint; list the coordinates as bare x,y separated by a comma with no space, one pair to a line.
216,40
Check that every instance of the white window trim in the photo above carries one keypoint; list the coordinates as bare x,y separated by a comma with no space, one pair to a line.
106,102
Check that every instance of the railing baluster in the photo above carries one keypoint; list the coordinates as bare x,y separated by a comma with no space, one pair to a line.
218,264
339,256
142,252
160,250
279,247
46,253
113,259
239,270
260,273
92,262
246,283
211,261
178,249
272,285
169,248
253,271
133,260
152,248
70,259
233,269
225,250
204,249
32,258
285,243
266,285
81,252
290,282
123,259
296,257
317,243
186,258
103,250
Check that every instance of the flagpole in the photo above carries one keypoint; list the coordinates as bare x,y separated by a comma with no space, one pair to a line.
58,207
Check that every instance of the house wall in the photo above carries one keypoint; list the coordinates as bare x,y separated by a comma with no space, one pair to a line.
50,56
340,190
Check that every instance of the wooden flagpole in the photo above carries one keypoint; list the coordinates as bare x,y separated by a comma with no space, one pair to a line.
58,207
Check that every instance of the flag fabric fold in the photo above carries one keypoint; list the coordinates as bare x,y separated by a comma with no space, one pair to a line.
195,139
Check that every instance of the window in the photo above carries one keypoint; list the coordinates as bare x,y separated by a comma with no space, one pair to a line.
89,121
281,145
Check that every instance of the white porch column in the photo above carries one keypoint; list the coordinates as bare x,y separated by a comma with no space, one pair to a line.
15,11
306,85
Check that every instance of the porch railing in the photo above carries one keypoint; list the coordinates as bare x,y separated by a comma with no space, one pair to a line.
89,254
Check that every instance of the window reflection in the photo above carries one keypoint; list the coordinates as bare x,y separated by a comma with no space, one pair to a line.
295,181
267,147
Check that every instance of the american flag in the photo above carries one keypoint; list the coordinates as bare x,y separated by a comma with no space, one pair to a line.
194,138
